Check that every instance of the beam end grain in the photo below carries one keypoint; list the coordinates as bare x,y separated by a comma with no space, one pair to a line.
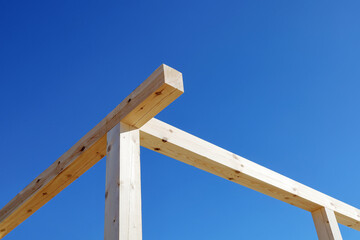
166,85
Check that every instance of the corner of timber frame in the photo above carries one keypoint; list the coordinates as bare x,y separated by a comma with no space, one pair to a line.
119,136
161,88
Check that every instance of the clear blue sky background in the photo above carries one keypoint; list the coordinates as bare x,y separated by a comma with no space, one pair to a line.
274,81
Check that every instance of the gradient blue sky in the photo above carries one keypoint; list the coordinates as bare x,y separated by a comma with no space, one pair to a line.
274,81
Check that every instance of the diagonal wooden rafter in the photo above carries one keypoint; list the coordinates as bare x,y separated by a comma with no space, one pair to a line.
175,143
161,88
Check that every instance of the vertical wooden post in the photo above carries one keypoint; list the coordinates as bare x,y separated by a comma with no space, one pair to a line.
326,224
123,186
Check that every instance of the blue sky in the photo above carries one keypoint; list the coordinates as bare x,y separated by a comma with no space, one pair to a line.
276,82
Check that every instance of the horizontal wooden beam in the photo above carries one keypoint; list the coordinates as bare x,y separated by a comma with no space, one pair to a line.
161,88
175,143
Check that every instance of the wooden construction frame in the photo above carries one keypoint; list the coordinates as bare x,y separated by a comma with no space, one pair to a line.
119,136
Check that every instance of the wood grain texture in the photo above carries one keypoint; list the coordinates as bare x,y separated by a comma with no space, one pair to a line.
161,88
326,225
123,184
177,144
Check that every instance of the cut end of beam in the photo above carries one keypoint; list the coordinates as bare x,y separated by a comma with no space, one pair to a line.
173,77
165,85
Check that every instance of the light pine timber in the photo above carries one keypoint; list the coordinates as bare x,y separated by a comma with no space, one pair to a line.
326,225
161,88
177,144
123,185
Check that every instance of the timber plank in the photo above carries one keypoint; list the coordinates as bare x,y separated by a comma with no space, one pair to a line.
180,145
123,184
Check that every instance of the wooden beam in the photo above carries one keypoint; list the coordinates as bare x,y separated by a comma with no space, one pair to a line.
175,143
123,187
326,225
161,88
